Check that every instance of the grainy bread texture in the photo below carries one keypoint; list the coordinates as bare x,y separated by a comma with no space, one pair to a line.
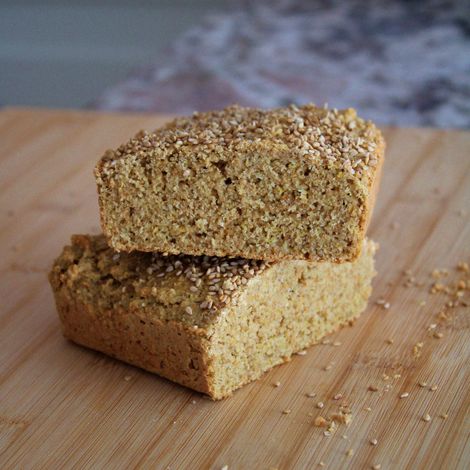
289,183
211,324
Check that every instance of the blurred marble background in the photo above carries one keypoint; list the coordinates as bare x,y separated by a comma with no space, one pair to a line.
403,63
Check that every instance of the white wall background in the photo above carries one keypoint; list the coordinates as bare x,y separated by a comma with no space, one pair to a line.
64,53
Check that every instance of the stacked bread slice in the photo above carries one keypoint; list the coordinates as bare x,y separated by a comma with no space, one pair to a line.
231,240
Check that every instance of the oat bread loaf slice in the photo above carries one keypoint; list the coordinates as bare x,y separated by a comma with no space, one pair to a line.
211,324
289,183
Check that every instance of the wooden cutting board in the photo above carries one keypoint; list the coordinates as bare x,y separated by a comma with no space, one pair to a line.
62,406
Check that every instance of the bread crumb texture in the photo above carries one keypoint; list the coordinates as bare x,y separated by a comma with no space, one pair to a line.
212,324
288,183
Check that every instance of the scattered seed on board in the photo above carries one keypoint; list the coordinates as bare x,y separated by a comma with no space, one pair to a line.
277,384
426,418
404,395
373,442
286,411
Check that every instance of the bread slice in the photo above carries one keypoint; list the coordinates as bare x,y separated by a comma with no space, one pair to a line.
289,183
211,324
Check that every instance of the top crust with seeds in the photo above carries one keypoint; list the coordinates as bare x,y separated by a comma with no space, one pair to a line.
295,182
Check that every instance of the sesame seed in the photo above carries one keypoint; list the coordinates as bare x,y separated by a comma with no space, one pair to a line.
433,388
320,405
188,310
286,411
404,395
372,388
373,442
423,384
311,394
426,418
277,384
301,353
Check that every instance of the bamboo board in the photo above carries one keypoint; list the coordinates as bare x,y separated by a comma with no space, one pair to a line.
62,406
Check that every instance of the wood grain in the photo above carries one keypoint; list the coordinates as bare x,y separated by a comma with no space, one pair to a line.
62,406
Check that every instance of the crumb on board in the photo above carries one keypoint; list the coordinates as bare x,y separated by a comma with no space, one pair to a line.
320,422
417,349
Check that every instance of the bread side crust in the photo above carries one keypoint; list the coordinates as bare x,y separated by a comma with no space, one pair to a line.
167,348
